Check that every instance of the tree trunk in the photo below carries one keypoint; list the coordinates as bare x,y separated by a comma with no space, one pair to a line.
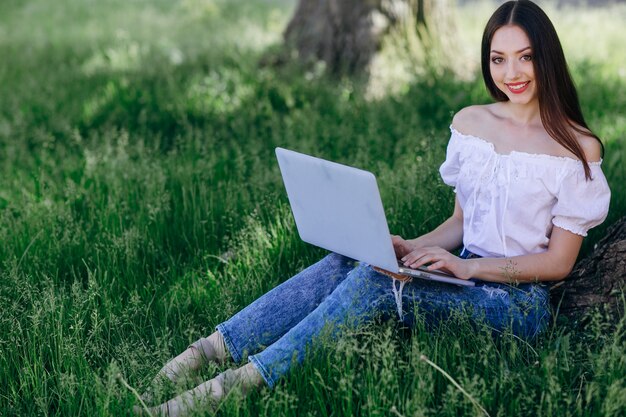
347,34
597,280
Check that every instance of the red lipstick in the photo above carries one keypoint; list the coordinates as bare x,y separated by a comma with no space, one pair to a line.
517,88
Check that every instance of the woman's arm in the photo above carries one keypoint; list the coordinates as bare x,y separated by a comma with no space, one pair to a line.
448,235
553,265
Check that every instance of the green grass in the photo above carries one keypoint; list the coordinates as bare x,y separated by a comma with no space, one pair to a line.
141,204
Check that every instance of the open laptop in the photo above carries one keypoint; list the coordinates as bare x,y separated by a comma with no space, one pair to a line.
338,208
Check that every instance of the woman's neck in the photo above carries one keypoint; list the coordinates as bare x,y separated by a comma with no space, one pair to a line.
524,115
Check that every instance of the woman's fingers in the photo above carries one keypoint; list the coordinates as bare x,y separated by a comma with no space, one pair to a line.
413,255
438,259
426,259
436,265
424,256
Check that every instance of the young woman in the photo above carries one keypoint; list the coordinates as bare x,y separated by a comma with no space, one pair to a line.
527,175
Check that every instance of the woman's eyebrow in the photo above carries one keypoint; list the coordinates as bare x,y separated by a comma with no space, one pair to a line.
517,52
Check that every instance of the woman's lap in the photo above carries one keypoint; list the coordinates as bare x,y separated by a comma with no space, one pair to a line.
524,309
354,295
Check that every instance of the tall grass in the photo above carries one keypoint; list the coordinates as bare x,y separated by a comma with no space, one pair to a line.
140,205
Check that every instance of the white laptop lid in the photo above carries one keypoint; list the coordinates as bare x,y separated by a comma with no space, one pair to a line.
338,208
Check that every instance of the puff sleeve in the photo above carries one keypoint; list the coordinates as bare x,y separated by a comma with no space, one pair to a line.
450,168
582,204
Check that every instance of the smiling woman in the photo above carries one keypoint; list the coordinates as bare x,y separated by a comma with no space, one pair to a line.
511,65
522,59
529,185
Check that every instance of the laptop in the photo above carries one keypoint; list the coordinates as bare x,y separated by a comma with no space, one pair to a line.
338,208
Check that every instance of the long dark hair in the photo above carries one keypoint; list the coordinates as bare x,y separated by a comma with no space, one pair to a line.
558,101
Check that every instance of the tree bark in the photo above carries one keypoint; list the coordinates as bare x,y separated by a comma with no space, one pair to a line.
347,34
597,280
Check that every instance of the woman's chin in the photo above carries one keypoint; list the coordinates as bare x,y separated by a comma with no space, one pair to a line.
521,99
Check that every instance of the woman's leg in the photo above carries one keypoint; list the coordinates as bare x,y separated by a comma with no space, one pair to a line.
263,321
366,294
362,295
256,326
269,317
355,298
523,309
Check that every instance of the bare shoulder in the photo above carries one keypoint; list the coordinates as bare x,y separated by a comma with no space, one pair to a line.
590,146
466,117
472,120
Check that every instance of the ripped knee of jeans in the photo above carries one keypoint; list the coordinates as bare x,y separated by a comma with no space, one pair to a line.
493,292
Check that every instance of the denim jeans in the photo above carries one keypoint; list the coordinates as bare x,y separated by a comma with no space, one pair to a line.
337,291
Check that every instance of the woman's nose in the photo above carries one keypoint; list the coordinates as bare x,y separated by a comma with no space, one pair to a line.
512,70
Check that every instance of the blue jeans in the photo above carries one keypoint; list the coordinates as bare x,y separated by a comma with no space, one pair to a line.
338,291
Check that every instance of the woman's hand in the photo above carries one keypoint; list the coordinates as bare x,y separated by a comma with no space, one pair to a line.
401,246
441,259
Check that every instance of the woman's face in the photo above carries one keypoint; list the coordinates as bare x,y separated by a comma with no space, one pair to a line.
511,66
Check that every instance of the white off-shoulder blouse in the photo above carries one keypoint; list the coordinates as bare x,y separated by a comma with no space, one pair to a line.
511,202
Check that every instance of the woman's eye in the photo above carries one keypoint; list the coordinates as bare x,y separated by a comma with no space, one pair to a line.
527,58
496,60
